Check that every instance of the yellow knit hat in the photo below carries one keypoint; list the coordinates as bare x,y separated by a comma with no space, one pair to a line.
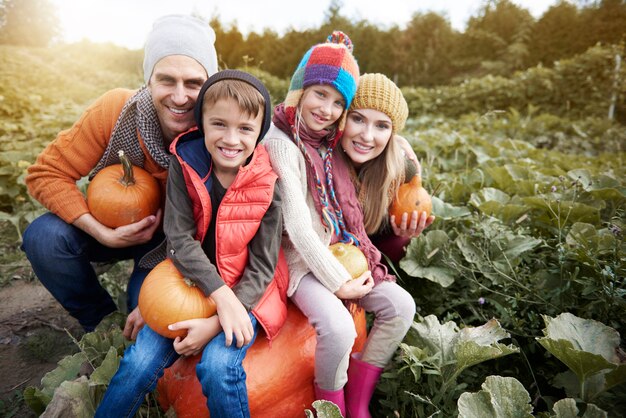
376,91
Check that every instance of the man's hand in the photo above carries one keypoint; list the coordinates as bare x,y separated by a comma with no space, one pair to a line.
199,332
233,317
124,236
134,323
356,288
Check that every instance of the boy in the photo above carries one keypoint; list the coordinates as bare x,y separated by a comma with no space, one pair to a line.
223,227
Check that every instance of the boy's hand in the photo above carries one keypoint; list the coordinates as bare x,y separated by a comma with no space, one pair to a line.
357,288
134,323
199,332
412,229
233,317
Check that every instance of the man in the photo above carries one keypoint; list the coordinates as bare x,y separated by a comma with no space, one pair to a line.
179,56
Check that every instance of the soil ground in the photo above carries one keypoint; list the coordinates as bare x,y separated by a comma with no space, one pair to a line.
34,334
35,331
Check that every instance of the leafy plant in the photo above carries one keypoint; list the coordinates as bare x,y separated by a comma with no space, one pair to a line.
433,360
77,385
590,349
505,397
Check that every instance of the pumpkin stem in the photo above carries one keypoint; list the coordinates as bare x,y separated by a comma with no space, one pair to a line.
416,181
188,282
128,179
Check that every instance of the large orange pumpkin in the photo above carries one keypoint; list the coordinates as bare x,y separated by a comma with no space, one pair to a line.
121,194
411,196
351,257
167,297
279,377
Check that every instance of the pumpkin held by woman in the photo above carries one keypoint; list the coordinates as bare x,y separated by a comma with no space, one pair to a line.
121,194
411,197
279,378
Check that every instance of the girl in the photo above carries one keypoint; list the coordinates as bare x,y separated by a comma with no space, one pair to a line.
377,113
320,207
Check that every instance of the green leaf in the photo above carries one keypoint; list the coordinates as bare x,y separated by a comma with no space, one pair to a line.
446,211
436,339
68,368
594,412
103,374
324,409
72,400
584,335
424,258
589,348
500,397
489,194
565,408
478,344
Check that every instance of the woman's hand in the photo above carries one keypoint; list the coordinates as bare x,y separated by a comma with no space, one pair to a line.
357,288
414,228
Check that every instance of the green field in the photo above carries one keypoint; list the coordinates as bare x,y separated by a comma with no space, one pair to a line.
520,282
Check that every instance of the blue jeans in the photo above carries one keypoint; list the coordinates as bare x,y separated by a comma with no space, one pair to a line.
220,372
61,257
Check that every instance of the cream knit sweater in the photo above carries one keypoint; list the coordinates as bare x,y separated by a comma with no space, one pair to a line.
306,240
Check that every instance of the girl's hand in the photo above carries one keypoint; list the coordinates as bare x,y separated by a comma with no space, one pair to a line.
408,151
199,332
233,317
357,288
412,229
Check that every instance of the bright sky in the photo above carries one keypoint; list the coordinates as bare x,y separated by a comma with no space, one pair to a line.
127,22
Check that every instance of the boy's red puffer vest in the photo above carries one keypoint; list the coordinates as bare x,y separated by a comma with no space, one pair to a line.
238,219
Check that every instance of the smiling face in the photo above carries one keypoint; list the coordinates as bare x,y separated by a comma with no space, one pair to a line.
174,85
230,136
321,106
366,135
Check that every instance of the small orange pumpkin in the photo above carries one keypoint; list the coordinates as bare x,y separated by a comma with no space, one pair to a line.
121,194
279,378
167,297
411,196
351,257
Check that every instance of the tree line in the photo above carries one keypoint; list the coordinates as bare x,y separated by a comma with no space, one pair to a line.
501,39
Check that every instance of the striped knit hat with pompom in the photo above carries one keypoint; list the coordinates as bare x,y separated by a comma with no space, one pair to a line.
330,63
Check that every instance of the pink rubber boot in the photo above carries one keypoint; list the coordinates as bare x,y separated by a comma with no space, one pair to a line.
334,396
362,380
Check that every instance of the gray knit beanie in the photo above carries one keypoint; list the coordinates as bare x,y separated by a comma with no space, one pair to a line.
180,35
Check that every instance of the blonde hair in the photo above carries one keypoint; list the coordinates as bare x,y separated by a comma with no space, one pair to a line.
385,172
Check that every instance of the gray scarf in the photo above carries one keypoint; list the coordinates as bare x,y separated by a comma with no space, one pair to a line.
137,114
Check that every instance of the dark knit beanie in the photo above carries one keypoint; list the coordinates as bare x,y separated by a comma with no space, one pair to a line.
241,76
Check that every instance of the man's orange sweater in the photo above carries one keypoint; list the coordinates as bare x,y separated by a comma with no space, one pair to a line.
75,152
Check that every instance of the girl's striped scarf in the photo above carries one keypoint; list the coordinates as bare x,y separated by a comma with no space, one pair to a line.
335,196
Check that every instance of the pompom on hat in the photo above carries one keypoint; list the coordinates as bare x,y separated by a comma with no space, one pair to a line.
377,92
330,63
180,35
